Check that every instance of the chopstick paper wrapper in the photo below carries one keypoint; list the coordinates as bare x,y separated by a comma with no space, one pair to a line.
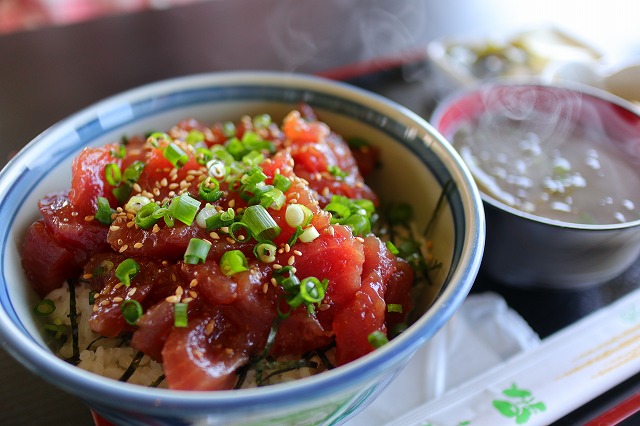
542,384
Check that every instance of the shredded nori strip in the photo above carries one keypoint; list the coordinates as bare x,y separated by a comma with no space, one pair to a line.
157,382
446,189
323,357
94,341
283,367
73,318
135,362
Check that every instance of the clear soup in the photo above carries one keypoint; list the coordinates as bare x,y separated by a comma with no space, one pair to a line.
566,158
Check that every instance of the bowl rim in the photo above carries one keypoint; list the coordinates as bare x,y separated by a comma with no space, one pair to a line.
456,96
80,382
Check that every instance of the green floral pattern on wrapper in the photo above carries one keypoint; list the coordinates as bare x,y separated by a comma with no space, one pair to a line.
520,406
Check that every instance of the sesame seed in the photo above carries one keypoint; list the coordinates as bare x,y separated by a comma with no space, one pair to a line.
156,192
123,248
132,291
326,191
114,228
87,276
287,248
105,303
138,245
360,239
297,252
189,178
117,286
174,185
231,240
164,182
193,283
323,307
193,294
118,299
131,224
232,203
291,260
214,235
172,299
265,288
179,291
228,351
155,228
174,277
187,300
276,266
274,282
137,187
208,329
89,218
95,308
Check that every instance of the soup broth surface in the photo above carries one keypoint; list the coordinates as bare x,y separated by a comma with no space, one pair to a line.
572,173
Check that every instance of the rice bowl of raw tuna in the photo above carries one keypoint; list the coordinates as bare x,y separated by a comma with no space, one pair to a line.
225,255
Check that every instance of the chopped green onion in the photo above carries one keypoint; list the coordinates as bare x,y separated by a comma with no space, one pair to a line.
136,203
377,339
253,142
209,190
312,289
221,153
232,262
359,225
295,235
121,152
281,182
272,198
235,148
92,297
235,231
45,307
310,233
392,248
260,223
216,169
194,136
155,138
394,307
205,213
132,173
184,208
197,251
261,121
122,192
228,129
298,215
113,174
175,155
337,172
180,317
338,210
104,212
219,220
146,217
252,158
265,251
203,155
58,329
253,177
127,270
131,311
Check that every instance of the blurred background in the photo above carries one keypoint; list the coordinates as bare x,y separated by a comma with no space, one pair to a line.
59,56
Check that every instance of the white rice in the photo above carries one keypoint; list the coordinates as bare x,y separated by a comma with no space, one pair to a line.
109,357
104,356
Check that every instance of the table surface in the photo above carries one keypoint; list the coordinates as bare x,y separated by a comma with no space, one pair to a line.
48,74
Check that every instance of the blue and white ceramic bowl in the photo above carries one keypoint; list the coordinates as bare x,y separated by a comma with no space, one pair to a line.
417,163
